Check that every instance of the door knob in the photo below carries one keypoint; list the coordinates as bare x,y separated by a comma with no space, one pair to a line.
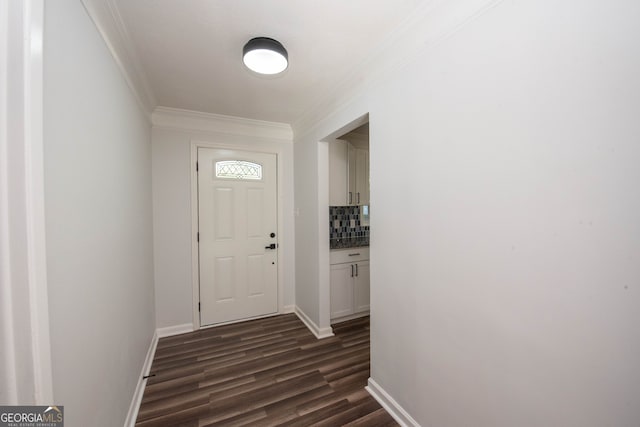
271,246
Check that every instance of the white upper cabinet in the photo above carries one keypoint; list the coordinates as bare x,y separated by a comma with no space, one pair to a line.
361,194
353,175
338,173
348,174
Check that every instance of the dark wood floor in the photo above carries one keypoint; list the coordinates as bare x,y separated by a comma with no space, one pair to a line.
265,372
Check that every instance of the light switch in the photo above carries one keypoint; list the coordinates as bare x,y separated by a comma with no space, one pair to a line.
353,223
336,223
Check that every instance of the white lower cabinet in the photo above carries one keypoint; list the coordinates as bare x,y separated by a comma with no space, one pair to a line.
341,290
361,288
349,283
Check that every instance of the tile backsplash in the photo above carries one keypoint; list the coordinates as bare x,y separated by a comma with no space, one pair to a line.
340,219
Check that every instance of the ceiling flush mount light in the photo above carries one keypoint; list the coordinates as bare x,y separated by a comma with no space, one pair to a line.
265,56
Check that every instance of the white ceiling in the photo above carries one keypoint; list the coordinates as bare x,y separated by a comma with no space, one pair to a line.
190,51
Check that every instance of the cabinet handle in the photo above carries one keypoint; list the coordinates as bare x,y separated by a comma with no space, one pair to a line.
354,254
356,270
358,198
351,270
350,197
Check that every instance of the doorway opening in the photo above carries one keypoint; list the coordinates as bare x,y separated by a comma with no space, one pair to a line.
346,288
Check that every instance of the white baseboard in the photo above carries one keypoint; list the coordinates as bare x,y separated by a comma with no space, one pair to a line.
289,309
130,421
349,317
315,329
174,330
393,408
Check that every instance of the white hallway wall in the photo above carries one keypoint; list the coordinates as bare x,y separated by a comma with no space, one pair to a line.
97,169
505,258
172,204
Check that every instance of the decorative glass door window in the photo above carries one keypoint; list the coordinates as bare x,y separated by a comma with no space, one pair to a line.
238,169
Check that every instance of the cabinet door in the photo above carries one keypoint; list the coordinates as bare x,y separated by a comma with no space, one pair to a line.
338,174
362,177
342,289
361,287
353,175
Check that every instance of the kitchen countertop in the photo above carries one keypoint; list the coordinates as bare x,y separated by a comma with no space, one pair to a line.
350,242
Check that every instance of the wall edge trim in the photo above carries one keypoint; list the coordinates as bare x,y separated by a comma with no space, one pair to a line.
169,331
134,408
319,333
390,405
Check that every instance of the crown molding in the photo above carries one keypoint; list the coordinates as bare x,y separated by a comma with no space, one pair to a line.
430,24
108,21
186,120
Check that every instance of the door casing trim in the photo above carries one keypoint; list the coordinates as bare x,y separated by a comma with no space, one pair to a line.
195,267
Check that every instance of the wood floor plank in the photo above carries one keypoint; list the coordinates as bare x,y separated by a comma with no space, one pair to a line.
264,372
360,410
243,418
377,418
320,414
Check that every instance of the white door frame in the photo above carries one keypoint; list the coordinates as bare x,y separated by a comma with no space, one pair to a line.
195,268
24,305
324,268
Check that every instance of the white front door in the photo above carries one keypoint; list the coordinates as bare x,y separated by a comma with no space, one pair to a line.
237,226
